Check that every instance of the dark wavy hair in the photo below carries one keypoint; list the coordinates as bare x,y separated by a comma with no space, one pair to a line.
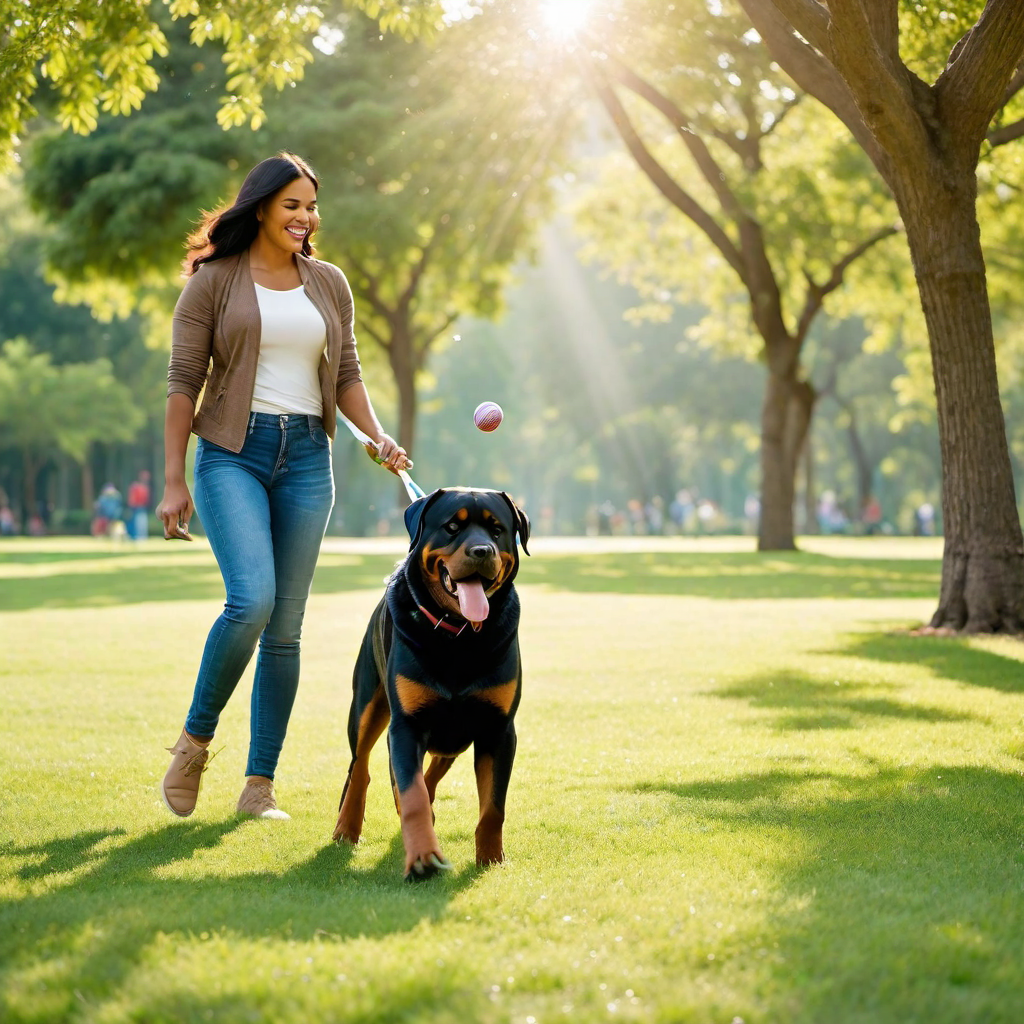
232,229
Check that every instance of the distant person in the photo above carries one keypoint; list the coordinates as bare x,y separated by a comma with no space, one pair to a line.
268,330
107,509
8,524
138,506
924,519
871,517
751,513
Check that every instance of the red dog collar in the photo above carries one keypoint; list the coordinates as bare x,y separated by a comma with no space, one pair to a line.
439,623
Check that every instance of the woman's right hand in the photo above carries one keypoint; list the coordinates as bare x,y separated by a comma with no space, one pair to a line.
175,510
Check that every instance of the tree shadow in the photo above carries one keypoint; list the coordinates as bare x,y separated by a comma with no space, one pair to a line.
184,577
801,702
949,657
118,900
891,895
734,575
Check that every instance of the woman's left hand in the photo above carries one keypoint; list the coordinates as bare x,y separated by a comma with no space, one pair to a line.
389,454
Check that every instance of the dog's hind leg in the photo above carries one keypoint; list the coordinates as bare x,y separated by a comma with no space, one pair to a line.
372,722
436,771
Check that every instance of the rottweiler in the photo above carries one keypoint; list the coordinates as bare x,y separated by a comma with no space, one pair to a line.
439,668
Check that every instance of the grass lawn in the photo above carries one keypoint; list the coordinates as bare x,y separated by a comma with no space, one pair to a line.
742,793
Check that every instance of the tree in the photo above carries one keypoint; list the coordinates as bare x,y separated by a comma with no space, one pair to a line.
70,407
925,136
751,186
99,57
438,171
434,173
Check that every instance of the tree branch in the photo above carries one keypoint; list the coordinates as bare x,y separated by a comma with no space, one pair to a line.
366,328
981,69
372,289
1008,133
1015,86
881,88
683,125
660,178
810,19
816,293
811,69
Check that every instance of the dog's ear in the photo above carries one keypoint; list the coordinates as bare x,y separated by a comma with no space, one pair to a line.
414,516
521,519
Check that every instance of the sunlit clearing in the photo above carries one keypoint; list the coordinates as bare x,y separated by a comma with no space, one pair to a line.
564,18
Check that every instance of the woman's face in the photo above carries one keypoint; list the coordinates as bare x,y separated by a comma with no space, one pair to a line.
289,216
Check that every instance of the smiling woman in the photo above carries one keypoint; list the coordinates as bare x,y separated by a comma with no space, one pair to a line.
264,331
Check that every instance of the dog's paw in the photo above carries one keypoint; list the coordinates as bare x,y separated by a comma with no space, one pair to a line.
345,834
424,868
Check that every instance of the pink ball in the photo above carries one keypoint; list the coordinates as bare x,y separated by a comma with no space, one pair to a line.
488,416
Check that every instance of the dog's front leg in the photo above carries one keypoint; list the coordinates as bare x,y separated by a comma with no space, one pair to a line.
423,856
493,766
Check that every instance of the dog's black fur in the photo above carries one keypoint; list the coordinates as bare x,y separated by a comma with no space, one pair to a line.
438,680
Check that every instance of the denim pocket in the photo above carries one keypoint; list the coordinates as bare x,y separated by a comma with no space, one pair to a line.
319,436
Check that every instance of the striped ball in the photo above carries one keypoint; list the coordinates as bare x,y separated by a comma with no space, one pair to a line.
488,416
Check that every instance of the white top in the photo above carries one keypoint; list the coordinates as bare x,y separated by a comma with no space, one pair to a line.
292,341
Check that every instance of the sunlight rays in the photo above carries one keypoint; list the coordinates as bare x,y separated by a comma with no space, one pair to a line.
564,18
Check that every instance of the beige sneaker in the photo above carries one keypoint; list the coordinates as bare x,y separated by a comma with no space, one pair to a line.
180,787
258,800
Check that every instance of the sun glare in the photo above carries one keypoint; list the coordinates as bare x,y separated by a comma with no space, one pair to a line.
564,18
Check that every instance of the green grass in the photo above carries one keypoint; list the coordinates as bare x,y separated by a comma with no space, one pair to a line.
742,791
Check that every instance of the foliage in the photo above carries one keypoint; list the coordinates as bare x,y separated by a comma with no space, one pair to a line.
99,58
68,406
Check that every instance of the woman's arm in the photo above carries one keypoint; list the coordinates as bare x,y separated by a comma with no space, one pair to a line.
191,346
176,506
354,404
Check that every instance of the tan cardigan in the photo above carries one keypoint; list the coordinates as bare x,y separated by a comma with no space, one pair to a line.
215,341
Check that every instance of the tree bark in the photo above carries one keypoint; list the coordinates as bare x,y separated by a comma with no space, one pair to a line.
983,562
785,419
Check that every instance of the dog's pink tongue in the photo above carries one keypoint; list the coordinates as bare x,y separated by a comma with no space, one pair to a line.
473,601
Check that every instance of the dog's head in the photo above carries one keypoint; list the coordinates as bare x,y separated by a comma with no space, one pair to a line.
463,542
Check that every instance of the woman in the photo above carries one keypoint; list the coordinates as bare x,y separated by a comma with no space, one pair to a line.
267,330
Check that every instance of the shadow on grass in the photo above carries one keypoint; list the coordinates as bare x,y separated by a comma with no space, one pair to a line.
734,575
99,923
893,895
801,702
948,657
185,578
130,578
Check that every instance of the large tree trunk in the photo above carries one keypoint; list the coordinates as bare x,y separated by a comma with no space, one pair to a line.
983,563
785,419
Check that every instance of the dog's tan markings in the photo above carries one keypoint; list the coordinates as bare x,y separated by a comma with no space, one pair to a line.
414,696
430,558
500,696
372,723
439,765
488,830
418,834
507,565
489,516
462,515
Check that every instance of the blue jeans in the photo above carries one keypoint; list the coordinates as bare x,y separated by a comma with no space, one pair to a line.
264,510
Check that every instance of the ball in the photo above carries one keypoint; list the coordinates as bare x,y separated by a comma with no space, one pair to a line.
488,416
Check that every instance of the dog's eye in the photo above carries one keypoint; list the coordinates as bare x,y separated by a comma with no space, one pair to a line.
497,530
453,526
